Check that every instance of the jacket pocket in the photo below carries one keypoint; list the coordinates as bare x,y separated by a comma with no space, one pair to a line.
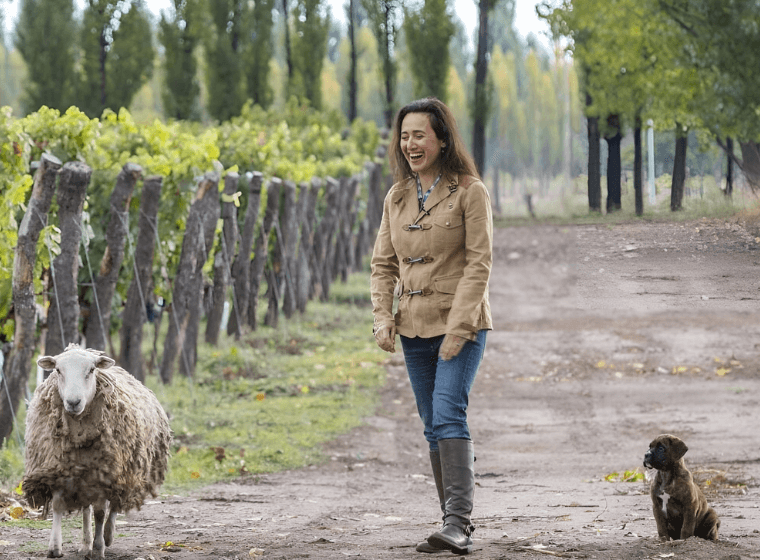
446,288
448,233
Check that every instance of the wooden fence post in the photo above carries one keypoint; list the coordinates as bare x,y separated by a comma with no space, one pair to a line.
98,327
290,217
140,293
223,259
15,376
186,298
63,316
241,268
308,267
262,252
325,248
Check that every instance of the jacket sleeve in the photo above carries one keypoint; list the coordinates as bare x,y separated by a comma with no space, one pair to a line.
473,286
385,271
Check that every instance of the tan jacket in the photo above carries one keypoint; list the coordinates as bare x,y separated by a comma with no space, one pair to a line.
437,262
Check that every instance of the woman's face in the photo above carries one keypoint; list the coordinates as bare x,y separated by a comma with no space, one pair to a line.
419,144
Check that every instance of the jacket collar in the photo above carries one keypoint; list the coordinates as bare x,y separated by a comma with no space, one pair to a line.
446,186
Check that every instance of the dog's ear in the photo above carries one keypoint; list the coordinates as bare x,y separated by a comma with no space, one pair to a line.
677,448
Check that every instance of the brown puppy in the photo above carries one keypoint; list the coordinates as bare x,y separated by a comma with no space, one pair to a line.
680,509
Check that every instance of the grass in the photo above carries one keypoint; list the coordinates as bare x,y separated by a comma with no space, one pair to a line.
269,401
568,204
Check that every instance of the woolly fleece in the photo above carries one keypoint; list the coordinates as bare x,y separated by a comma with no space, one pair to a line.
117,449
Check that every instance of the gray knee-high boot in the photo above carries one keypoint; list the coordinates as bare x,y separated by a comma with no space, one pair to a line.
435,462
457,466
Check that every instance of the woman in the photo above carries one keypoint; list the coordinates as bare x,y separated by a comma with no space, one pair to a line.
433,251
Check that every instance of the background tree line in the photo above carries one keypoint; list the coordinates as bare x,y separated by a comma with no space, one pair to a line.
684,64
523,110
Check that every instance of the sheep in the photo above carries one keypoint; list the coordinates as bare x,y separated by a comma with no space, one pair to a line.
96,438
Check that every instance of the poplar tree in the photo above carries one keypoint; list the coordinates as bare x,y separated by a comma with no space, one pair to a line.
258,51
45,37
483,93
383,15
117,54
223,60
311,23
179,36
428,33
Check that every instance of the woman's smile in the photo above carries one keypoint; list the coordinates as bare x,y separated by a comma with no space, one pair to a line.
419,144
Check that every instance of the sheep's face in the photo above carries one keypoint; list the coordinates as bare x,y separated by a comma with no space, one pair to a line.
76,376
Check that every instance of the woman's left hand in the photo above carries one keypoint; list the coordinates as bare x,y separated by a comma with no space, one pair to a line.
451,346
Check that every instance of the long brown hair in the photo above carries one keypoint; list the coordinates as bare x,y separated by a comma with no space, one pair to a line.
455,159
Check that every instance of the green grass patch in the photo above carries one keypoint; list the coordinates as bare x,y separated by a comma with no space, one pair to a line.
560,203
269,401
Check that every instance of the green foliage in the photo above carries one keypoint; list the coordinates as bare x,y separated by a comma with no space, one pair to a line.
117,55
179,36
428,33
223,65
295,143
309,47
257,51
45,37
15,185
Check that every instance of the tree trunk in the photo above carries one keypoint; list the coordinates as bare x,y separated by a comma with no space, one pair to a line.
261,252
241,268
140,293
99,322
388,65
223,258
729,167
679,169
16,368
594,163
613,164
186,297
638,189
288,55
480,113
63,316
352,86
290,243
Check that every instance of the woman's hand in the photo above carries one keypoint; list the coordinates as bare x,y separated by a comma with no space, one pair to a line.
451,346
385,337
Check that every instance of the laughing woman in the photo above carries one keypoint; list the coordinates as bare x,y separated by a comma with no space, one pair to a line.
433,250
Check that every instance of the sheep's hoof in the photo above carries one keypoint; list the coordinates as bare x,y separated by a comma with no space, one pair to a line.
55,553
96,555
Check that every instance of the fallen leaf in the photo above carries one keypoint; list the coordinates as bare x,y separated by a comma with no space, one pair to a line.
722,371
16,512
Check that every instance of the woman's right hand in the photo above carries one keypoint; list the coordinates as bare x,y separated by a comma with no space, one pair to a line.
385,337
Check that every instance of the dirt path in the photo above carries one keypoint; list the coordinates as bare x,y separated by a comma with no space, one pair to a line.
604,338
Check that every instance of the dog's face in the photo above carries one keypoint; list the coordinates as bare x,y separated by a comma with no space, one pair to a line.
664,452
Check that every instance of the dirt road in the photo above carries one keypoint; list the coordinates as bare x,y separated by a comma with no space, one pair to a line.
604,338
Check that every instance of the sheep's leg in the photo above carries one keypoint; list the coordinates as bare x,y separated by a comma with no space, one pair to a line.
56,538
86,546
109,528
99,545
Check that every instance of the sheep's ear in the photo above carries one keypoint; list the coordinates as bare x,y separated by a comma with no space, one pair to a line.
104,362
46,362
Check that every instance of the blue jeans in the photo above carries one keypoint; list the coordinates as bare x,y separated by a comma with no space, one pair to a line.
442,388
